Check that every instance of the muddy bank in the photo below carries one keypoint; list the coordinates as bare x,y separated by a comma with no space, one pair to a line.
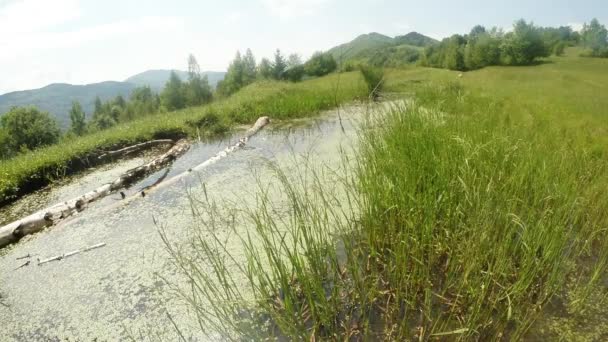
41,178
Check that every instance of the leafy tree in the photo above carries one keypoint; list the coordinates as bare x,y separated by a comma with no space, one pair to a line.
320,64
294,74
98,107
265,69
28,128
279,65
249,68
595,37
294,60
120,102
233,81
197,90
103,121
194,69
5,144
477,31
77,117
523,45
142,102
481,50
454,53
172,96
559,49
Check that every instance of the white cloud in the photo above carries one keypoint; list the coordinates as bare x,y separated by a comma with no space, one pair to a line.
234,17
27,16
290,8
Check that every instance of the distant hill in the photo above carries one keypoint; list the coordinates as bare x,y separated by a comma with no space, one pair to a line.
381,50
156,79
57,98
415,39
364,42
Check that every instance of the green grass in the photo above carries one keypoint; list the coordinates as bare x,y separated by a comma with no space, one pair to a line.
278,100
470,213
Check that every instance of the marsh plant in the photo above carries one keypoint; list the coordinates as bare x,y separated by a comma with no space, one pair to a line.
445,224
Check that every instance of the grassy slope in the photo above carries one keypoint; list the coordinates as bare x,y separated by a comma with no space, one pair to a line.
275,99
477,207
569,90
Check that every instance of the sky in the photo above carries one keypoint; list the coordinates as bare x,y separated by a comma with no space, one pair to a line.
87,41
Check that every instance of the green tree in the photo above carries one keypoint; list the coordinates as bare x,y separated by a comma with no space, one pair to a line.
197,90
77,118
595,37
98,107
172,96
234,79
5,144
249,68
279,65
524,45
142,102
294,74
28,128
320,64
454,53
294,60
265,69
120,102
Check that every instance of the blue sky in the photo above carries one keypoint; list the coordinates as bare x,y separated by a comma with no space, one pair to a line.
84,41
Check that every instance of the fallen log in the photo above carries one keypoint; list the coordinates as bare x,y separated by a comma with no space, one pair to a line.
259,124
134,148
47,217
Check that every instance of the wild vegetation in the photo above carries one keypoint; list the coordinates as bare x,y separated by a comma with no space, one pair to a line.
280,100
467,213
522,46
470,210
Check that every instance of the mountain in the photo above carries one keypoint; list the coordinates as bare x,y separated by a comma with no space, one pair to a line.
380,50
156,79
57,98
415,39
364,42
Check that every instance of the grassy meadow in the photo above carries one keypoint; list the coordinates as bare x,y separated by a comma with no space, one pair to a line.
279,100
475,210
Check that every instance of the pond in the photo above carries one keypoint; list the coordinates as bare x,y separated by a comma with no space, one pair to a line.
120,291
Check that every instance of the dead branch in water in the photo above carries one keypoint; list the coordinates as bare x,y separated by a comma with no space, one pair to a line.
134,148
69,254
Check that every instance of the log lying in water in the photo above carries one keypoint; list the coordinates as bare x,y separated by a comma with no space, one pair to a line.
259,124
134,148
50,216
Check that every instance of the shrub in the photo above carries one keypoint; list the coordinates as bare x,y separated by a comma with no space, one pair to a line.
28,128
374,79
320,64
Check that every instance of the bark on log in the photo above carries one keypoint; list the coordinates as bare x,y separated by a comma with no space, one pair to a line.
134,148
47,217
259,124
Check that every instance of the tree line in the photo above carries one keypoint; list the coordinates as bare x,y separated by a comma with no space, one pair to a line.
524,45
28,128
244,70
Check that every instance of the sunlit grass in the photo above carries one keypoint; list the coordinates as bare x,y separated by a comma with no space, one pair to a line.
279,100
465,214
